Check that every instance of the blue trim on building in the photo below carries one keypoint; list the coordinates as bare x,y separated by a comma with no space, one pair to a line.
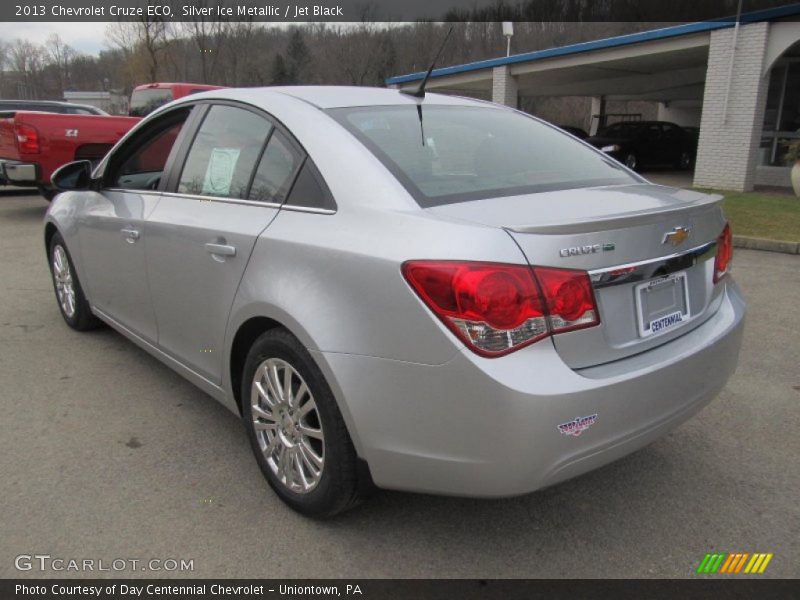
769,14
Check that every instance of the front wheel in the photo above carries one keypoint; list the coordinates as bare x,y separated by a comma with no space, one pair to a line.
295,428
71,300
631,162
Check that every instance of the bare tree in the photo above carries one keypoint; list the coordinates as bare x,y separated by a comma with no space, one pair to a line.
61,56
27,59
208,37
143,41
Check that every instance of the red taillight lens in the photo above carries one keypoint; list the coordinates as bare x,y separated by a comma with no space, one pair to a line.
722,262
27,139
495,308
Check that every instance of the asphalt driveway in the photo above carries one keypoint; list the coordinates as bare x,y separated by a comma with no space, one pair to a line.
105,453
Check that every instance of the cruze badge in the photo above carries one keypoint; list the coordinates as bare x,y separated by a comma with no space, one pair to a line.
590,249
677,236
577,426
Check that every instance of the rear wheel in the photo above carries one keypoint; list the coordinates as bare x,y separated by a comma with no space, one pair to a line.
631,162
71,300
295,428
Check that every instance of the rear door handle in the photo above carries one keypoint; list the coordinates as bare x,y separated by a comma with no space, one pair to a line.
221,249
130,235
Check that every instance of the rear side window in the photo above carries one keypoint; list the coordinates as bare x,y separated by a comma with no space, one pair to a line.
445,154
309,190
276,171
224,153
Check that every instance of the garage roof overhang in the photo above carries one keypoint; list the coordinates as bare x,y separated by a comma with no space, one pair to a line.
664,64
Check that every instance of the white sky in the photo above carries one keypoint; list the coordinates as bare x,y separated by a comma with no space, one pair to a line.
88,38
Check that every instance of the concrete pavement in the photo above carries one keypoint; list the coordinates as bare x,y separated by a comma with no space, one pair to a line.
105,453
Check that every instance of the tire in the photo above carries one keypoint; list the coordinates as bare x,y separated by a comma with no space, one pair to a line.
685,161
277,428
69,294
631,161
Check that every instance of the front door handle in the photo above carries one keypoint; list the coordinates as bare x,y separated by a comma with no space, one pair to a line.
221,249
130,235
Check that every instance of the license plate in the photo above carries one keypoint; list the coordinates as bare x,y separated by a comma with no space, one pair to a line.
662,304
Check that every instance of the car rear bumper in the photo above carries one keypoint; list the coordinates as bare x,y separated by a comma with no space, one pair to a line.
18,173
490,427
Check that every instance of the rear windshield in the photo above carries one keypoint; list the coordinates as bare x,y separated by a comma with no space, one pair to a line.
144,102
451,154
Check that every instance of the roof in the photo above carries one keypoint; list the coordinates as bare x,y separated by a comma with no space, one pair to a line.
613,42
325,97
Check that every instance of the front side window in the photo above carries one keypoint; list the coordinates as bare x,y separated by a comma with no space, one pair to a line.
445,154
224,153
139,165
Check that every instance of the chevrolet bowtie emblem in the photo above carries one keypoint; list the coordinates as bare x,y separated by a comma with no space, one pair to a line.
677,236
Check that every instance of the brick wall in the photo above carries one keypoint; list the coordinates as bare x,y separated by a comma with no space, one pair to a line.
504,87
727,150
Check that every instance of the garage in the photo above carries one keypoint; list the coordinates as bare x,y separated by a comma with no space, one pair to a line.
746,115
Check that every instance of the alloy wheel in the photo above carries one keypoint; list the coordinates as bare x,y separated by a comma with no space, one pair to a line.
65,287
287,425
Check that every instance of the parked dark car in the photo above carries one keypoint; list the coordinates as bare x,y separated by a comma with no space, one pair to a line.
51,106
576,131
637,144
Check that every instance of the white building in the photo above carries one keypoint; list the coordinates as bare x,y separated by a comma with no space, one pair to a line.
111,102
738,82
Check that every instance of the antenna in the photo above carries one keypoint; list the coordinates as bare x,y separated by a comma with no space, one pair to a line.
420,91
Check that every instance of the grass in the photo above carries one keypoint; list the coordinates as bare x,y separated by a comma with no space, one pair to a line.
763,214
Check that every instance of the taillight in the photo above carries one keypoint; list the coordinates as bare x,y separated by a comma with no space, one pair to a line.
722,262
497,308
27,139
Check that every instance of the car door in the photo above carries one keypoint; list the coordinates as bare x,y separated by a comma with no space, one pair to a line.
236,173
112,228
673,143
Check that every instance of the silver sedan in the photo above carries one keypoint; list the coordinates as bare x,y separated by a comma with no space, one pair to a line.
429,294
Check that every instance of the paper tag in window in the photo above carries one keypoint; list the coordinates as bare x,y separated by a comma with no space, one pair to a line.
219,174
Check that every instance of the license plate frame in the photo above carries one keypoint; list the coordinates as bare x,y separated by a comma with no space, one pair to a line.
654,323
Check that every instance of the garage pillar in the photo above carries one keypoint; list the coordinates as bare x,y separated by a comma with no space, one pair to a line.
504,87
599,109
730,135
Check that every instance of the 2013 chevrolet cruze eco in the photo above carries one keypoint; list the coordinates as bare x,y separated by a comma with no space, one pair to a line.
432,294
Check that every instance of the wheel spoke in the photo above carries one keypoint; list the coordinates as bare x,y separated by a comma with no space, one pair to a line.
273,383
311,432
298,467
310,456
262,414
306,408
299,395
287,385
261,426
268,400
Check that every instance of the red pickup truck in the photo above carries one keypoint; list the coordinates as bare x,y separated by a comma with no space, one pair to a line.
34,144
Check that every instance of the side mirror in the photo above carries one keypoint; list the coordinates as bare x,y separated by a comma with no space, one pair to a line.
74,176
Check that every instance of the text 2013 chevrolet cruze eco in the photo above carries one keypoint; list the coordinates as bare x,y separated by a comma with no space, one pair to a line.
432,294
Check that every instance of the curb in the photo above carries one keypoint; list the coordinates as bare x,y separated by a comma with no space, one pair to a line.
752,243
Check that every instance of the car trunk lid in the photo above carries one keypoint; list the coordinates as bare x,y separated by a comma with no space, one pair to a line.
648,249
